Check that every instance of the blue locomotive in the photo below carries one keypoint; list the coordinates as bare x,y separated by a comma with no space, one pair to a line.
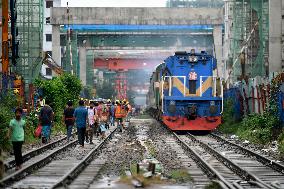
185,94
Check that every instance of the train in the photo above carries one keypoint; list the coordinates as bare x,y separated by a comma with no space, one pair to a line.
184,92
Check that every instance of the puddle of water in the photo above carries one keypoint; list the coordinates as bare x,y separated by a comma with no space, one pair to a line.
169,187
113,183
110,182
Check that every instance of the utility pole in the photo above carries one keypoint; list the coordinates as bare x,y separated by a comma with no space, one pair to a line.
69,39
5,45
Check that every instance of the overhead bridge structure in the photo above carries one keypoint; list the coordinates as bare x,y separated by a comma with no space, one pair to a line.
102,34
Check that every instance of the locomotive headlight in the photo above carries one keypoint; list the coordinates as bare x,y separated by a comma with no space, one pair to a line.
212,103
193,59
172,102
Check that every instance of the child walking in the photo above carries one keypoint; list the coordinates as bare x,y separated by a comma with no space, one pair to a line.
17,134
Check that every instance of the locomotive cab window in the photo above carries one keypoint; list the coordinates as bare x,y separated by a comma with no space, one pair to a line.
192,86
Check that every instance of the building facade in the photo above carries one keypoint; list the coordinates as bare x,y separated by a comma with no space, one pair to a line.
47,34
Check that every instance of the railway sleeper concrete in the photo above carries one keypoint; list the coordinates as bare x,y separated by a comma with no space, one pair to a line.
51,173
199,178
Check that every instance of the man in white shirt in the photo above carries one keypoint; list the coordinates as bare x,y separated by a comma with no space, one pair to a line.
91,120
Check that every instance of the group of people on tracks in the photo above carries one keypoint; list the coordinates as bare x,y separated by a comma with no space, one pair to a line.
92,120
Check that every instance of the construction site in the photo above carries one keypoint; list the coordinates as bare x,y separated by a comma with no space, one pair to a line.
243,28
181,93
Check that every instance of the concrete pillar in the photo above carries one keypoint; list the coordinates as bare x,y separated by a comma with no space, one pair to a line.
83,65
56,51
217,36
275,37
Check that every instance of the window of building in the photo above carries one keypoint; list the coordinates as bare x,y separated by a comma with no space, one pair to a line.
49,4
47,20
48,37
48,72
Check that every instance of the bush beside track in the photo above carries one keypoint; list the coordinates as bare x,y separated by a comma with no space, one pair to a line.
257,128
56,91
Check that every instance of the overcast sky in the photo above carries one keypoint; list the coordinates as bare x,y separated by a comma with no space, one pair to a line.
114,3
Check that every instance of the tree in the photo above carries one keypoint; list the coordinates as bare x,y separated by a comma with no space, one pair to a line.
58,91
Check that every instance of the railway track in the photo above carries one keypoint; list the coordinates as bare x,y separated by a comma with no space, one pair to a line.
200,181
223,162
255,166
10,162
56,168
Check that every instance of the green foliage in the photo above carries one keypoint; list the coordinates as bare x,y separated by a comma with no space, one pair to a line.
256,128
281,144
60,90
31,125
230,124
7,103
213,185
57,92
181,175
6,115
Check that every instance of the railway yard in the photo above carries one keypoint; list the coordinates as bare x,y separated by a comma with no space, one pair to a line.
182,160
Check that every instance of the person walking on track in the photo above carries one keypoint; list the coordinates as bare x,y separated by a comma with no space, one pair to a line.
128,111
17,134
91,120
46,117
81,119
119,114
69,119
112,113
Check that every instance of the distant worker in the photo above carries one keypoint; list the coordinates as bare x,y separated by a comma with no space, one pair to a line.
68,118
105,114
46,115
108,104
81,119
91,120
124,110
119,114
17,134
112,113
129,111
96,123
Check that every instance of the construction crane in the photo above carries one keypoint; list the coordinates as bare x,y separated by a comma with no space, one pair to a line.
5,44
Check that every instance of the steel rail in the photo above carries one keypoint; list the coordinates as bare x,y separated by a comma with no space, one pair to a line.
208,169
266,161
231,165
22,173
75,171
32,153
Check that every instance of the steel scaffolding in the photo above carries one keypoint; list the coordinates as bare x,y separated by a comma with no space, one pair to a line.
30,34
249,37
195,4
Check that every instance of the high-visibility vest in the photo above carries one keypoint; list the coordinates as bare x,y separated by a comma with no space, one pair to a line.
119,112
